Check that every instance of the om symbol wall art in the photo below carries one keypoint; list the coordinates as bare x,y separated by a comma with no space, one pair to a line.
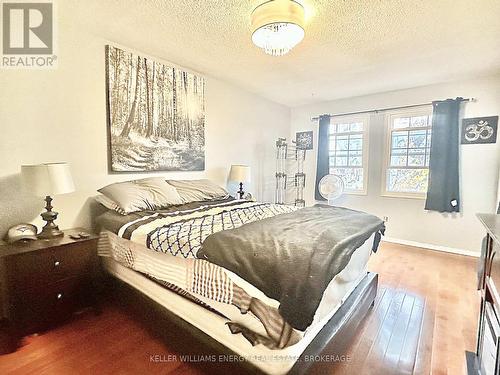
479,130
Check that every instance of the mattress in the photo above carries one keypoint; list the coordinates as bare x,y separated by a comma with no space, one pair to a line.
269,361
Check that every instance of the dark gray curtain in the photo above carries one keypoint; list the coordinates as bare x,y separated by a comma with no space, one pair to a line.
443,194
323,165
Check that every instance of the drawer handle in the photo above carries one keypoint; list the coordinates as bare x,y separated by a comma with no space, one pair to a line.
57,263
59,295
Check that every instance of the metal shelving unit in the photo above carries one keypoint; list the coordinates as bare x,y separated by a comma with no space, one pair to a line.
290,185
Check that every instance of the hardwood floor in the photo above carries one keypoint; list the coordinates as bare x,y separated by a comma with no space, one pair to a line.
425,315
423,320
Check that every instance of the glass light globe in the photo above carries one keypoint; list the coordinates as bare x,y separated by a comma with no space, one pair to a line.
278,39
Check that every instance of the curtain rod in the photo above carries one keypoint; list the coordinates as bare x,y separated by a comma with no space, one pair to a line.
386,109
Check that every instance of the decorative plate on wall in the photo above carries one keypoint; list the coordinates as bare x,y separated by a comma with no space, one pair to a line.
479,130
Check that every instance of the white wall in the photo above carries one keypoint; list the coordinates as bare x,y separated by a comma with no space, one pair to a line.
407,218
60,115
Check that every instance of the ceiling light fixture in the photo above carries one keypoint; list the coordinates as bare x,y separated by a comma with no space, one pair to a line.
278,26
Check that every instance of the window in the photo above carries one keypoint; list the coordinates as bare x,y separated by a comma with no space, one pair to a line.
407,155
348,151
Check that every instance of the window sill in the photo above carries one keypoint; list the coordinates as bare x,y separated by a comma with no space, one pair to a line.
360,193
404,196
355,193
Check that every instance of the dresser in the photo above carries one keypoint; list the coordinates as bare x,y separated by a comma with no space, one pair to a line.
486,360
44,282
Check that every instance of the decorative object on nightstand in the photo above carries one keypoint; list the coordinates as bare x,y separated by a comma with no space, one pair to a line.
45,282
22,232
240,174
47,180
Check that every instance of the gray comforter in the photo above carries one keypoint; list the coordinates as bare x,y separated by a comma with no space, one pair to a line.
293,257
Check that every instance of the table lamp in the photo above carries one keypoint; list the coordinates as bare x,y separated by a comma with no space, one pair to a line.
47,180
240,174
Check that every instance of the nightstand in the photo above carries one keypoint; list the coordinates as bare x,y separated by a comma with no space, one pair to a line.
45,281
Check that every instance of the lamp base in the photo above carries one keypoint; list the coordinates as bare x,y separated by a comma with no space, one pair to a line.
48,233
241,193
50,230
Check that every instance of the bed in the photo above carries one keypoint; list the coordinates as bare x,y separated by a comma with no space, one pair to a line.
233,310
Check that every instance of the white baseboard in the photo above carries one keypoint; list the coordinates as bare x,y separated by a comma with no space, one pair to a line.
429,246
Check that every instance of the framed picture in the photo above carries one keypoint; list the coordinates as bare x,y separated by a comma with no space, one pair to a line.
479,130
156,115
304,140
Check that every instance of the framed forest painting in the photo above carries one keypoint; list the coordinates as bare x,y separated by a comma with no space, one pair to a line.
156,115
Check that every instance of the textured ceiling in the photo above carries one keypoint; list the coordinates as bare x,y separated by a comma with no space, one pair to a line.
352,47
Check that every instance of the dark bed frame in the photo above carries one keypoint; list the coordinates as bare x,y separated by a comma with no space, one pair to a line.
331,342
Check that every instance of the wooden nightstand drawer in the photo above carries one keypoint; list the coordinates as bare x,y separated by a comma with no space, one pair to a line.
45,281
27,271
37,309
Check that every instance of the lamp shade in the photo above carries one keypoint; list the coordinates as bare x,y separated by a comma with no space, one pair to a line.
47,179
239,173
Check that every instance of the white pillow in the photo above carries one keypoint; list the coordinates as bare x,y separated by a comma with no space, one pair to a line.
139,195
198,190
109,204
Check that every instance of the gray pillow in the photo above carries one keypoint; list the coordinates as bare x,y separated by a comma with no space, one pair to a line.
198,190
109,204
139,195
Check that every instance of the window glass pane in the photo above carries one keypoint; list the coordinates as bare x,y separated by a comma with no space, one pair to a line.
399,139
331,144
355,161
418,121
398,160
416,160
342,128
417,138
353,177
407,180
346,151
409,153
342,154
357,127
342,142
341,161
355,142
399,151
401,122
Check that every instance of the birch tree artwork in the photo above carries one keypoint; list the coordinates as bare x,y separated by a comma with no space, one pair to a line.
156,115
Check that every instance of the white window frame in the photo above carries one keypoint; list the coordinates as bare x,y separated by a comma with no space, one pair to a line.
422,111
365,119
